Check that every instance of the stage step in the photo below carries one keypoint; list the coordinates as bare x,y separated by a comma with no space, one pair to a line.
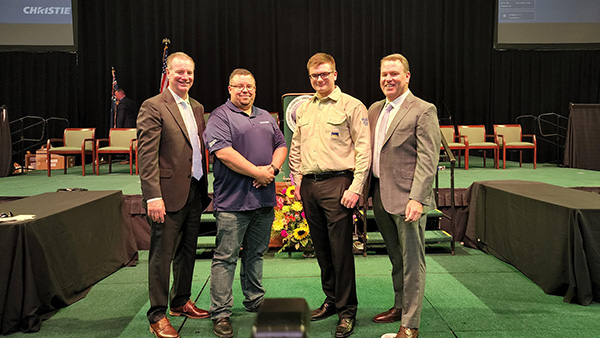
208,217
431,236
430,214
206,242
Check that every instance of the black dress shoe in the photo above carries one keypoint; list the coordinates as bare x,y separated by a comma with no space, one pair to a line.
326,310
222,327
344,328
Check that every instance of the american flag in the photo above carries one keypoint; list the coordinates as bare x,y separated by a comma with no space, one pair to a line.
113,100
163,78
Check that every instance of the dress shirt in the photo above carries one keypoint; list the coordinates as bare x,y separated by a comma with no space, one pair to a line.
332,134
185,109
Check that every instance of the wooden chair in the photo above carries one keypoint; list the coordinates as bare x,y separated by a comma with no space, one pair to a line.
120,141
510,136
454,144
475,138
75,141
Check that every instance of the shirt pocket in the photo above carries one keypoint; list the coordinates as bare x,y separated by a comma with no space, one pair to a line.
337,127
301,126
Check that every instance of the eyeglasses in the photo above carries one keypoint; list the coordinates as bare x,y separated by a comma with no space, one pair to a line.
241,88
323,76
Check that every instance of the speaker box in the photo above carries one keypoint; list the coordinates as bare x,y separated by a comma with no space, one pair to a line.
282,318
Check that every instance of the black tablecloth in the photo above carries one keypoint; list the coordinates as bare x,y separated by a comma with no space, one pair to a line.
582,146
76,240
550,233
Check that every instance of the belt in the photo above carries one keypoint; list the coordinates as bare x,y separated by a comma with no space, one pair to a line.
328,174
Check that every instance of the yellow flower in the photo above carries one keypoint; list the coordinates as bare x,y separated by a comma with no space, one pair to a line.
301,233
277,225
286,208
289,192
297,206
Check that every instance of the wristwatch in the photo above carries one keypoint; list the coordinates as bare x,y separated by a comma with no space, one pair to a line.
275,169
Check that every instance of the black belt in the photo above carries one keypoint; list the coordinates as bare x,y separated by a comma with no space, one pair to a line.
328,174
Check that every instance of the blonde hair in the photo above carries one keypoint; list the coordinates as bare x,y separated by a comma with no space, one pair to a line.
179,55
396,57
320,58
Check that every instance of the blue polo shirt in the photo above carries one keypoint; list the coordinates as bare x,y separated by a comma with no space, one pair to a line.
255,137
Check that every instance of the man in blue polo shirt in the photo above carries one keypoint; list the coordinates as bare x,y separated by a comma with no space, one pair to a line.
249,149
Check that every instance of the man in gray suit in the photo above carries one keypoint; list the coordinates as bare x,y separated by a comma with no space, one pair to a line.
406,142
174,187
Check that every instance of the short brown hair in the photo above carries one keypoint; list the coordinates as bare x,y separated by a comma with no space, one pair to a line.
321,58
396,57
179,55
240,71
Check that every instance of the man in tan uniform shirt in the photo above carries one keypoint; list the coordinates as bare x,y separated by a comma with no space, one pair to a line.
329,159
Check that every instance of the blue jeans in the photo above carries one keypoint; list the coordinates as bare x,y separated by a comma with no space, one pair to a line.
250,230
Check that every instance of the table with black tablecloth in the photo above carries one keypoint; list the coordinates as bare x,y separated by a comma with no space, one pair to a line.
76,239
550,233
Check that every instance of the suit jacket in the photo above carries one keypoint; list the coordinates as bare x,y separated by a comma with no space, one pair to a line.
409,155
126,113
165,151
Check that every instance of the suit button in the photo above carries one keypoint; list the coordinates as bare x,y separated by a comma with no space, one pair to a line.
189,176
191,159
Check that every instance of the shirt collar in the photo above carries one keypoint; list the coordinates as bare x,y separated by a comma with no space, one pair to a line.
335,95
178,98
398,101
234,108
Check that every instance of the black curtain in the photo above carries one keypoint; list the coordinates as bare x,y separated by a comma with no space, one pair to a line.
448,44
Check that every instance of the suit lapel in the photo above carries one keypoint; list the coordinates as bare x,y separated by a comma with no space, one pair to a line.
374,117
174,111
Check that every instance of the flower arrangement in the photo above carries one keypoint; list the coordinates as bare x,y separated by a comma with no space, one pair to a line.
289,223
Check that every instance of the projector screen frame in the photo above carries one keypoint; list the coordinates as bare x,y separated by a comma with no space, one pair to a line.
48,48
501,46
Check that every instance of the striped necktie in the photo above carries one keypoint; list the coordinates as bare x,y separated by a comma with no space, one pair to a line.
380,137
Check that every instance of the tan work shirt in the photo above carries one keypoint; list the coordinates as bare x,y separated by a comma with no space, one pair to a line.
332,134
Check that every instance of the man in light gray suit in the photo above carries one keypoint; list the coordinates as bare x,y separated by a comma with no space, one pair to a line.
406,142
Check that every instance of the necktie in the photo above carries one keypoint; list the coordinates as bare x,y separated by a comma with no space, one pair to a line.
192,129
380,136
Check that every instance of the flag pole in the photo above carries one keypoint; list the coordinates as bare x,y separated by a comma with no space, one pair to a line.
113,98
163,77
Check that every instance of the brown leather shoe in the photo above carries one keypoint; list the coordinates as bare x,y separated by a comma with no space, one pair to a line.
326,310
164,329
345,327
405,332
389,316
189,310
222,327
